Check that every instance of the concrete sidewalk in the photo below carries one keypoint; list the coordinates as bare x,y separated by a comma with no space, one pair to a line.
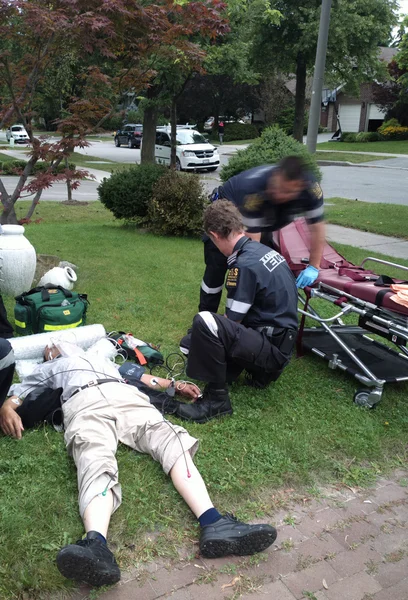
369,241
341,544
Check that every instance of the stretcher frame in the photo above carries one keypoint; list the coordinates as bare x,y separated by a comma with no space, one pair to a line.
372,319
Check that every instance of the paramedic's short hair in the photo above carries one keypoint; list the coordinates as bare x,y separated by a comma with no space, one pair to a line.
222,217
292,168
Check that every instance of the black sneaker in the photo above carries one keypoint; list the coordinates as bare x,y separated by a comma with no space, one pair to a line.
89,561
213,404
185,343
230,536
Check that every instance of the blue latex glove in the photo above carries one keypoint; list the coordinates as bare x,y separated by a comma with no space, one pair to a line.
307,277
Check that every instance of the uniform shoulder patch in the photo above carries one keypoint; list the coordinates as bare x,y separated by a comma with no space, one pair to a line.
316,191
232,278
253,202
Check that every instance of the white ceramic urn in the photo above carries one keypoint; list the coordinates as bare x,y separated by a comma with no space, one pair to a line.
17,261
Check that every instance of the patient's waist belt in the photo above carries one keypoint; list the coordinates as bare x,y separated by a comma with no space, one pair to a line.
95,382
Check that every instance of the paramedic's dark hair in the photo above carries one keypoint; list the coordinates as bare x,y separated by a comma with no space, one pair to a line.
222,217
293,168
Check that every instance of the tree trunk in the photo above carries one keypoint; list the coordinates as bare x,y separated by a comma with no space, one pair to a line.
173,123
8,216
300,97
69,188
149,134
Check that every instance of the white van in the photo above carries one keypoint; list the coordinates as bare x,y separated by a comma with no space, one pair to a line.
18,133
193,151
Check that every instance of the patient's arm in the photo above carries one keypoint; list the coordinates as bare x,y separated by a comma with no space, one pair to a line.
10,422
184,388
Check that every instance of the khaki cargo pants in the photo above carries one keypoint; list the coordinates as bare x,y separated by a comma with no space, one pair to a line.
98,417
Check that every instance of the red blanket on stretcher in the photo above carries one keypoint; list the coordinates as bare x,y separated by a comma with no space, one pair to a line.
293,242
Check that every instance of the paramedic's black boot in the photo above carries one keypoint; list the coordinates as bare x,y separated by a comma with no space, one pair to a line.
214,403
230,536
185,342
89,561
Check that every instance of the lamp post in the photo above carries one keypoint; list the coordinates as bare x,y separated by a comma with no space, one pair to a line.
315,106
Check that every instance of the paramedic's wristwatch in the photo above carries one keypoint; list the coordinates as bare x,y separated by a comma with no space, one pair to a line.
16,400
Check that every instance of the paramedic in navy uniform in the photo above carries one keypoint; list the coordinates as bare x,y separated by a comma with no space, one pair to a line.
268,198
258,331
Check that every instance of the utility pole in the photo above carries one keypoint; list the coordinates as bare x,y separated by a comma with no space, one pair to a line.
315,106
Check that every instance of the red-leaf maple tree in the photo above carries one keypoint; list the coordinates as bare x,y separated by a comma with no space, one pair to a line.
112,40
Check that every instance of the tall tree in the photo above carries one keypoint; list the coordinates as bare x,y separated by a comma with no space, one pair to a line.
198,24
356,29
109,41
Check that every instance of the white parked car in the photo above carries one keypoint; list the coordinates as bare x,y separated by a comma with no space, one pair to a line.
193,150
18,133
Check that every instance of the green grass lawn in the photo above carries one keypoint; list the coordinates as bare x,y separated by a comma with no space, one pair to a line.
399,147
85,161
302,432
386,219
348,157
6,158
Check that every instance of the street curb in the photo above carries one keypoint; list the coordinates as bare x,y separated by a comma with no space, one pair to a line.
344,163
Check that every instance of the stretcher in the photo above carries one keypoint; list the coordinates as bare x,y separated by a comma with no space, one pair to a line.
379,303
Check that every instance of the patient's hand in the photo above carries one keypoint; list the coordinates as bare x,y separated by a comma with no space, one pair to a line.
10,422
188,390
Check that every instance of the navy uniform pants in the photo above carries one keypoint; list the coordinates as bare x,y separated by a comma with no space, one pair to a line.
221,349
6,368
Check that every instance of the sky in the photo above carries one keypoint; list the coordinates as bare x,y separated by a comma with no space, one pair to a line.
403,6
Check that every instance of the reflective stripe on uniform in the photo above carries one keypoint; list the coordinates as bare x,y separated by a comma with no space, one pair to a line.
209,290
316,212
239,307
209,320
7,360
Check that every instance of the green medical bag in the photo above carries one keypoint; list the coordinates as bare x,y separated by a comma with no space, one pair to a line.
49,308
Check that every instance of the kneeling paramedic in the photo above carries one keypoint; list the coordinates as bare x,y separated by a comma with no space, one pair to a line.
258,331
100,409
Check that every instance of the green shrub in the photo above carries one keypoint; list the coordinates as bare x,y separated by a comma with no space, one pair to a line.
394,133
367,136
127,192
113,123
349,137
286,119
389,123
270,148
15,167
176,206
239,131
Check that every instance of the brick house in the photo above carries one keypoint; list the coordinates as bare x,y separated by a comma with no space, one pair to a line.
355,113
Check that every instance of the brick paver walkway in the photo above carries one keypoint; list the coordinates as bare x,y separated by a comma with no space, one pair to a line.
345,544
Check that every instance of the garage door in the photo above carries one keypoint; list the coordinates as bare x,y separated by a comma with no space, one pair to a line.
375,112
349,117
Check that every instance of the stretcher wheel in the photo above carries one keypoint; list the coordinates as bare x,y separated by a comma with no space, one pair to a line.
362,398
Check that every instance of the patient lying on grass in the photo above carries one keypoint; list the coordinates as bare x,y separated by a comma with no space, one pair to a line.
100,409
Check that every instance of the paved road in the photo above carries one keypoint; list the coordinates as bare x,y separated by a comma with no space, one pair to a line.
367,184
372,183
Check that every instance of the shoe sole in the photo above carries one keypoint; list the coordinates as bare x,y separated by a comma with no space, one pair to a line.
184,350
253,542
84,570
206,419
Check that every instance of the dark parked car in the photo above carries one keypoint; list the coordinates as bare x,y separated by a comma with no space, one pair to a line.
131,135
